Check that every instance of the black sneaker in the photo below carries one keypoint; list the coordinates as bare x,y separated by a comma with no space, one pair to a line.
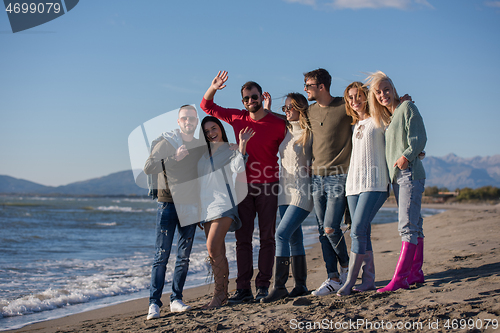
261,293
241,295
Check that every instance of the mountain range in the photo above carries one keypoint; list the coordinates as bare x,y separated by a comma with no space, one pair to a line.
118,183
450,171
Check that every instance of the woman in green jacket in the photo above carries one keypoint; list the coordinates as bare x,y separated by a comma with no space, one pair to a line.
405,138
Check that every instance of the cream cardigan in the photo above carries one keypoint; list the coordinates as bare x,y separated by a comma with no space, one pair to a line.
368,168
295,181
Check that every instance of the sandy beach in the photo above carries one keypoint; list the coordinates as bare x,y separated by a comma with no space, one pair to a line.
461,292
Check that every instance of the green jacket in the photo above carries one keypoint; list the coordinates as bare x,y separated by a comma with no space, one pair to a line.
405,136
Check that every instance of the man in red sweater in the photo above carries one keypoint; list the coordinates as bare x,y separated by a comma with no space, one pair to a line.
262,183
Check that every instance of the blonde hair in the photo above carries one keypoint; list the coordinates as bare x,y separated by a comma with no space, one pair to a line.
299,103
381,115
348,109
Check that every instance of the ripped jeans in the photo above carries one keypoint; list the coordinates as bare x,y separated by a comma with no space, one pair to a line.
330,204
166,222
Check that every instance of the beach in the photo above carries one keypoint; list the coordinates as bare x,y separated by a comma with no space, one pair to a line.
461,292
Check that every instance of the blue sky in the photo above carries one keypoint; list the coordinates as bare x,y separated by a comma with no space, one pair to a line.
73,89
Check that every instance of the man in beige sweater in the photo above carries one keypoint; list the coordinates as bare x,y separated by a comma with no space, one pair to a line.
331,151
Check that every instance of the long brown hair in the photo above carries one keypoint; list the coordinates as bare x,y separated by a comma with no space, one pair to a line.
202,130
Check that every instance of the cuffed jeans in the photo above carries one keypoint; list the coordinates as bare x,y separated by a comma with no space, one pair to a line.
408,194
262,199
166,223
329,205
363,208
289,237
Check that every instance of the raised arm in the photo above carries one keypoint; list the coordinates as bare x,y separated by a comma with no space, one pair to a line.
218,83
267,105
245,135
267,100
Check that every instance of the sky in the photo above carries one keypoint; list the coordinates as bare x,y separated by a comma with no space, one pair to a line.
73,89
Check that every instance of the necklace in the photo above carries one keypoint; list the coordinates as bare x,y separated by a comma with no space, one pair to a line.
326,112
324,118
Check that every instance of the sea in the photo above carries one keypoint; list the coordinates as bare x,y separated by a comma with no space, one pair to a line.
65,255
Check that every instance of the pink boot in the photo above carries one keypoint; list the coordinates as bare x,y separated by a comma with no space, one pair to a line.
416,274
402,268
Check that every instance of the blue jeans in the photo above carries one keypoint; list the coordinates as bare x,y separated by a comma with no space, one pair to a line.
329,205
289,237
408,194
166,223
363,208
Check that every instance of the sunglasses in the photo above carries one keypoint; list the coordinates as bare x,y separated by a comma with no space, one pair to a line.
190,119
307,86
247,98
286,108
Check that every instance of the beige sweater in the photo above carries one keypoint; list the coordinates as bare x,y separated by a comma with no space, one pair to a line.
295,181
332,143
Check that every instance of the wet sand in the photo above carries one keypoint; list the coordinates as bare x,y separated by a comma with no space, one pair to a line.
462,291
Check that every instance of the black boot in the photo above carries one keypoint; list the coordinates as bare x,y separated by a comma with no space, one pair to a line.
299,271
281,270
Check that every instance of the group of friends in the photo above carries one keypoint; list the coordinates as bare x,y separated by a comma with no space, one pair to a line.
338,156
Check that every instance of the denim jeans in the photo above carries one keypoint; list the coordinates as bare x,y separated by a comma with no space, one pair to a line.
289,237
166,223
408,194
329,205
363,208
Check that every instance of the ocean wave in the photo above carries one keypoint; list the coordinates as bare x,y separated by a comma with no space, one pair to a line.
426,212
146,200
66,282
79,289
106,224
119,209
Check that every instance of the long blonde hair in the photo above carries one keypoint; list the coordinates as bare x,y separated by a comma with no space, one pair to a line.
348,109
381,115
300,104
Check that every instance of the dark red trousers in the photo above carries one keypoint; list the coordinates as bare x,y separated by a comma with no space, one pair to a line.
261,201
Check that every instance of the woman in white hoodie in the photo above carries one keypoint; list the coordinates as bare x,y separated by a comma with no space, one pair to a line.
218,198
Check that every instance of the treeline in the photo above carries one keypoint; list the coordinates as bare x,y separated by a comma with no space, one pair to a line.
467,194
482,193
431,191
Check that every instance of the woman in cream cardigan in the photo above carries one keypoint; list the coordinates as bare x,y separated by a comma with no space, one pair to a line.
294,199
366,186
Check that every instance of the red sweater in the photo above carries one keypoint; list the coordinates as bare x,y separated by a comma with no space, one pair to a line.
262,149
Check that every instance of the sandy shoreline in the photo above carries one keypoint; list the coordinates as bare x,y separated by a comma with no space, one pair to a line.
462,283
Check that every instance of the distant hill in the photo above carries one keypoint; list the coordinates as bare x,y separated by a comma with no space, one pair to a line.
119,183
10,184
450,171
